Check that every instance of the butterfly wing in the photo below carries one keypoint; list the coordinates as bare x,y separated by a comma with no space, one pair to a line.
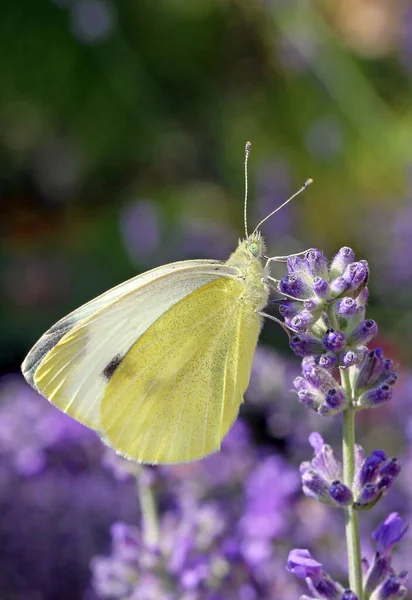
72,363
178,390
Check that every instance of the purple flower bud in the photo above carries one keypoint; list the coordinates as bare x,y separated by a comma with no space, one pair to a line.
391,589
289,308
317,264
368,497
327,589
315,392
389,533
334,340
346,307
370,369
303,565
325,463
317,442
350,358
300,383
392,379
387,366
349,595
356,275
318,377
311,399
344,257
338,286
321,287
340,493
385,483
375,397
302,320
391,468
363,332
294,286
335,397
328,360
377,572
314,486
296,265
329,409
305,345
369,470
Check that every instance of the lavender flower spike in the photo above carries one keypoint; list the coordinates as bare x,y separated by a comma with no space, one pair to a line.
332,337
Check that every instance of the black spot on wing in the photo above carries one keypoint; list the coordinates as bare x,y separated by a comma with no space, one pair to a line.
46,343
111,367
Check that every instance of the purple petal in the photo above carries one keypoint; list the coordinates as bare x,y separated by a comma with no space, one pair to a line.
389,533
303,565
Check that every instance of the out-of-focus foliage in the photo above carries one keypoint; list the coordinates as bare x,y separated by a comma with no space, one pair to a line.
122,131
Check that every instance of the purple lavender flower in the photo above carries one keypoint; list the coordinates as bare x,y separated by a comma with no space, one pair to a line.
140,227
321,585
318,389
269,489
389,533
57,501
331,331
322,477
380,579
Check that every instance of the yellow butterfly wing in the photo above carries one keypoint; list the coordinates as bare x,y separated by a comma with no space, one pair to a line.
70,363
176,393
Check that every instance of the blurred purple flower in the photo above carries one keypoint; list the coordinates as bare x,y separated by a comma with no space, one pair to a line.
92,21
272,189
269,491
201,238
56,501
140,227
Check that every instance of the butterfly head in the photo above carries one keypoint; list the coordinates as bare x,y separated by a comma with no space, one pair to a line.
255,246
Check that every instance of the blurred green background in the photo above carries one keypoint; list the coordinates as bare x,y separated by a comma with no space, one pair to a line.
122,132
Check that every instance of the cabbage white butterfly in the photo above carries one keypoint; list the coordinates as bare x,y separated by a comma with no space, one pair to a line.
159,364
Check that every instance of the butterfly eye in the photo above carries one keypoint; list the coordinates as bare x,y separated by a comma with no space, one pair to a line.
254,249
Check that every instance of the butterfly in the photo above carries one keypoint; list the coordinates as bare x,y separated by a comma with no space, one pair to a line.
158,365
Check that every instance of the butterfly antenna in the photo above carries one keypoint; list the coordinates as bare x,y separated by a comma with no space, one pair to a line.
247,152
302,189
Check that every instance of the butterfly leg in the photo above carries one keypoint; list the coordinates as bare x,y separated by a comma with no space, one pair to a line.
281,323
273,283
284,258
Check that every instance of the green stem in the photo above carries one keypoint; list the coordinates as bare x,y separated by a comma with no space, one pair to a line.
351,515
148,509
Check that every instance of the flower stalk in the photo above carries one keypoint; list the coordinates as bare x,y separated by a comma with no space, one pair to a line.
351,515
148,509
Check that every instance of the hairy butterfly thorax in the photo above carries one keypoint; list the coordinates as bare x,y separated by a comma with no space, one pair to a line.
248,260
